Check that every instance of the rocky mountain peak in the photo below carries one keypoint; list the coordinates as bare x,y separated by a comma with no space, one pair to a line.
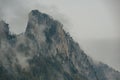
41,18
37,16
46,52
43,26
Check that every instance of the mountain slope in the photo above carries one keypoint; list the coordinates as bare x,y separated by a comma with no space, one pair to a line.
46,52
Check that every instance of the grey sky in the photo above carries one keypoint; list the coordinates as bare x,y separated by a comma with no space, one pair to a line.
92,23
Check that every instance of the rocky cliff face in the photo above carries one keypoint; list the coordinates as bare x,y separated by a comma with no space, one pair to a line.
46,52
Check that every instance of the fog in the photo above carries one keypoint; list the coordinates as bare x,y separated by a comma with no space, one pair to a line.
94,24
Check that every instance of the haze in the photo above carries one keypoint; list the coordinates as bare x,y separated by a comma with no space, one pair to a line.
92,23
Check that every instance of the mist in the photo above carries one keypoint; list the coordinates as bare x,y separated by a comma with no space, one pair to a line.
94,24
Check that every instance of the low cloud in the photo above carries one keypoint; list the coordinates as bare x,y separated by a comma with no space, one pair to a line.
15,12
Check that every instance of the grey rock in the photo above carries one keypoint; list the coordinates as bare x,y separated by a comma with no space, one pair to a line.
46,52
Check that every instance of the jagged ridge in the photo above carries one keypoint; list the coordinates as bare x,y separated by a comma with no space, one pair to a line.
46,52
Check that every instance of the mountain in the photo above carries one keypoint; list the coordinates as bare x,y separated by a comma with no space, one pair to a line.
46,52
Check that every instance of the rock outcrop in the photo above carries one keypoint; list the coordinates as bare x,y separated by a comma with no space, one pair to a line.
46,52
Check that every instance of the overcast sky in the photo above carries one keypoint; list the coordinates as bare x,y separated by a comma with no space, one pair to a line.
94,24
